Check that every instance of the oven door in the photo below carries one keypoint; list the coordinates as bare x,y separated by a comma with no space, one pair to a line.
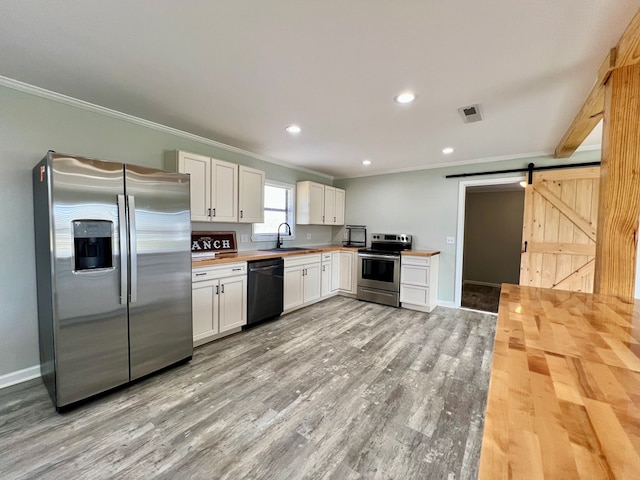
379,271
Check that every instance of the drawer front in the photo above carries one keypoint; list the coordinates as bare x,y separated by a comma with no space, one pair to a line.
414,295
409,260
297,260
218,271
414,275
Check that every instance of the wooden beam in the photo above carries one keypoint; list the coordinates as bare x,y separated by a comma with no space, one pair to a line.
589,114
627,52
619,199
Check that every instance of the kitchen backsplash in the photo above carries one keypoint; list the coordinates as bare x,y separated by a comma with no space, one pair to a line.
304,234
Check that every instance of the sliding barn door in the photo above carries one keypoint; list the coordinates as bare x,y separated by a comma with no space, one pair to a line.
559,229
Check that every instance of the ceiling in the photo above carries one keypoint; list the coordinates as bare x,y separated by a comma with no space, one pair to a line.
239,71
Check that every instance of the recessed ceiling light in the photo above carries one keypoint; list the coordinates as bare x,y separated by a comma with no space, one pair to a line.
366,162
447,150
405,97
293,129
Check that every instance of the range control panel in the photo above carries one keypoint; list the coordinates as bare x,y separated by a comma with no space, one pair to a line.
391,237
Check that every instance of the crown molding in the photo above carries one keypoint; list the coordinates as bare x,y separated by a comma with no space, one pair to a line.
74,102
460,163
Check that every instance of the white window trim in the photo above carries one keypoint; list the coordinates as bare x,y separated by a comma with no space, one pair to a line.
268,237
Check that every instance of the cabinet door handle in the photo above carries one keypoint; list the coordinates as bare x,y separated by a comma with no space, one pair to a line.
222,288
334,219
322,218
217,289
209,212
241,213
323,267
214,212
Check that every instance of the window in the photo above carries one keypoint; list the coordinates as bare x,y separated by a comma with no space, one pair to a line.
278,208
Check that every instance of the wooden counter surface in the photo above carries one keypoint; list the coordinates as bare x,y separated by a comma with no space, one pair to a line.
248,255
564,396
421,253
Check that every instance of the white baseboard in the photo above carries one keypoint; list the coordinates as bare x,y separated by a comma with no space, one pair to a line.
19,376
443,303
485,284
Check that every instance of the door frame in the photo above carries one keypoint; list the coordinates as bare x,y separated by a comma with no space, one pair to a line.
462,196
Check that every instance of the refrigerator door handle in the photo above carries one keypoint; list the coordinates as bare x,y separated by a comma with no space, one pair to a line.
133,254
122,230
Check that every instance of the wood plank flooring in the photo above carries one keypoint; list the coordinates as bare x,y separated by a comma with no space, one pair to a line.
339,390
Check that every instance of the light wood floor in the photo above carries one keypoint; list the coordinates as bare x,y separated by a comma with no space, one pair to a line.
342,389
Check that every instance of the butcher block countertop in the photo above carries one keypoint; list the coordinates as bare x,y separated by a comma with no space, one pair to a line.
564,395
249,255
421,253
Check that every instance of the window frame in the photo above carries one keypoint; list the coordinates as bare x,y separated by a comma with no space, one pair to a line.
290,215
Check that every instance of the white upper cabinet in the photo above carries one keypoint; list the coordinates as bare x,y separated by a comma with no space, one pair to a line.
318,204
221,191
339,206
199,167
251,203
224,194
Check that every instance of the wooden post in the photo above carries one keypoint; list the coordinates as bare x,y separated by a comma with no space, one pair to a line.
619,202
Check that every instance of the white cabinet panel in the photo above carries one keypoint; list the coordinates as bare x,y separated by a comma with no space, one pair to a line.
414,295
199,167
318,204
335,271
219,300
329,213
224,194
302,280
251,197
221,191
325,290
347,282
233,301
293,289
414,275
311,283
339,207
205,309
419,282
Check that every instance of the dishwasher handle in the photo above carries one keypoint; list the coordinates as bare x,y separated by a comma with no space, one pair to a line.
260,269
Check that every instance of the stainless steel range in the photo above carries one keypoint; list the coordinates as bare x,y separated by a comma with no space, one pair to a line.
379,268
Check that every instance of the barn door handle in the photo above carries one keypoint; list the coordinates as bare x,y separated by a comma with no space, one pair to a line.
525,246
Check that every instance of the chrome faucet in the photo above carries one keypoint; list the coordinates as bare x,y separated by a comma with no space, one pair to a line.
279,240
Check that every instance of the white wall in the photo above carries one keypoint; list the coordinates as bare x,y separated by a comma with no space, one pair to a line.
29,126
424,203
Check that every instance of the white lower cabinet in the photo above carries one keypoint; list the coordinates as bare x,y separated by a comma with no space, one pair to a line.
302,280
219,299
347,275
419,282
327,289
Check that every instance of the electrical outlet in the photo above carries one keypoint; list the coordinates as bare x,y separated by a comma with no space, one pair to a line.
308,236
451,240
244,238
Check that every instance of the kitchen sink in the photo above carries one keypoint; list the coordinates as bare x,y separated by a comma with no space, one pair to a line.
285,249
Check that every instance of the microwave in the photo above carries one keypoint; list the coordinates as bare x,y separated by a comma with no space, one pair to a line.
355,236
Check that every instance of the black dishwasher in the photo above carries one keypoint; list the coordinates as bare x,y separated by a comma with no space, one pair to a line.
265,290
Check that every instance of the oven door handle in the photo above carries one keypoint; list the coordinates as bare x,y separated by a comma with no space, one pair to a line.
378,255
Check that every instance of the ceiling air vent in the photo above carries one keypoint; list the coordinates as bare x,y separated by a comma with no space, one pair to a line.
471,113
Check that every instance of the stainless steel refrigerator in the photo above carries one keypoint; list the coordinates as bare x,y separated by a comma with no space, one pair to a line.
113,263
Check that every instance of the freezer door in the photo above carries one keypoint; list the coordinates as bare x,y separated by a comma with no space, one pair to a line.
160,329
89,319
